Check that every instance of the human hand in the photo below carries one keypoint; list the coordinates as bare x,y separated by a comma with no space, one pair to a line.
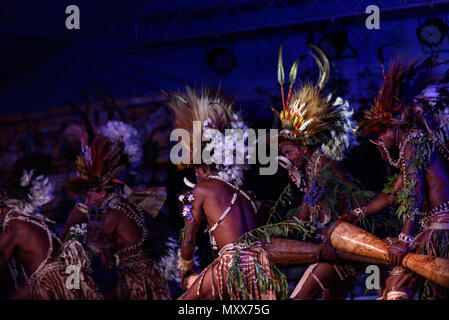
397,251
349,217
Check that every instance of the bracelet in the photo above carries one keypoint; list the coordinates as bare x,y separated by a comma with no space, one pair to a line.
405,238
360,213
191,226
184,265
82,207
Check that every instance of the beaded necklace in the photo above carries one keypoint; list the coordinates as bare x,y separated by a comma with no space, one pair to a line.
213,242
243,193
405,139
132,211
312,170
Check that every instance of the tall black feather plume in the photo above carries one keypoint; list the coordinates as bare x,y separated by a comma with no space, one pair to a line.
85,118
108,102
89,114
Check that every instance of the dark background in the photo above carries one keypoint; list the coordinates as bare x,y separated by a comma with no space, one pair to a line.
135,49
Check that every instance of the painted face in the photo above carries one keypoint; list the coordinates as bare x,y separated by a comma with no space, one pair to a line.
95,198
386,142
295,154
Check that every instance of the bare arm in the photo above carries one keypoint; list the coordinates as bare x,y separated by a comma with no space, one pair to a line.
383,200
412,173
191,229
398,250
75,217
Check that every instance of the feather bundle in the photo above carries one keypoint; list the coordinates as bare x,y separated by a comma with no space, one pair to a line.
402,84
311,119
213,112
29,194
98,163
105,150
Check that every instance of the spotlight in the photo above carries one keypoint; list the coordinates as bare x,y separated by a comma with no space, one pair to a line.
431,32
221,60
333,44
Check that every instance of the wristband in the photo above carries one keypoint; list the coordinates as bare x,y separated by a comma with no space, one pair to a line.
405,238
82,207
184,265
359,213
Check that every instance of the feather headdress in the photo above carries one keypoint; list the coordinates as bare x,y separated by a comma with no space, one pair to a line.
213,112
311,119
394,104
105,150
28,194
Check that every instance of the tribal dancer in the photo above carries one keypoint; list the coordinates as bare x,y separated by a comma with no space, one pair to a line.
410,117
27,240
316,131
242,270
121,232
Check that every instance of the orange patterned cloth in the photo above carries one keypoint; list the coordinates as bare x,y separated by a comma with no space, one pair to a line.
138,279
50,284
247,258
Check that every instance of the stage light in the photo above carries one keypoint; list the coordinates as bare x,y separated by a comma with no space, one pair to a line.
221,60
431,32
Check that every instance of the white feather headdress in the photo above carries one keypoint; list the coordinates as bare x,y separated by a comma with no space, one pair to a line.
40,192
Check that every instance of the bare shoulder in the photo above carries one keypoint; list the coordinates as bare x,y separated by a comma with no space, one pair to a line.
18,226
204,187
13,226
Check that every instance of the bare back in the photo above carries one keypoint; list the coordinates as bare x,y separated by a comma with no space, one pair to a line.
31,244
120,231
217,198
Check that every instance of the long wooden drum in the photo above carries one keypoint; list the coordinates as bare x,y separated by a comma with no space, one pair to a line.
347,237
286,252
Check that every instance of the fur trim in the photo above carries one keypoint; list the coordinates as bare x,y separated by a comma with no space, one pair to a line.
168,264
120,131
343,138
39,191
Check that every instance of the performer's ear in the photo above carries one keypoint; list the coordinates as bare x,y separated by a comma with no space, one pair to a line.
205,171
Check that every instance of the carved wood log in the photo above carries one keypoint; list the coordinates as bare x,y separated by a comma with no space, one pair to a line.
286,252
354,240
